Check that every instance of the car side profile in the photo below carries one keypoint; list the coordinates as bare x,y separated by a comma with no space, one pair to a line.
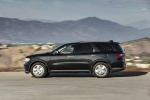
99,58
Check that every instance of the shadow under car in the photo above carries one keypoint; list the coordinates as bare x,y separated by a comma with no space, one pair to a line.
117,74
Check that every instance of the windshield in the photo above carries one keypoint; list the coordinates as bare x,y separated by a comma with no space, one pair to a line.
57,47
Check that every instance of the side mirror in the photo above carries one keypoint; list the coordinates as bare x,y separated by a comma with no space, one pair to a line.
56,52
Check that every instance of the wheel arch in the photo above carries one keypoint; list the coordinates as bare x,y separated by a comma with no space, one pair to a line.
100,60
39,61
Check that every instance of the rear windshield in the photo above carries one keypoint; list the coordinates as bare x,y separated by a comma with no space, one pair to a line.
118,48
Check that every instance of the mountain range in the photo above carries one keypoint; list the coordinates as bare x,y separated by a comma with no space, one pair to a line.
86,29
142,24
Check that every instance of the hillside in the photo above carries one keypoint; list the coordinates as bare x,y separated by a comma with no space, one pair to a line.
87,29
137,47
140,24
12,58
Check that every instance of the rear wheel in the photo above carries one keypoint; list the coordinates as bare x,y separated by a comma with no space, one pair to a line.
39,70
101,70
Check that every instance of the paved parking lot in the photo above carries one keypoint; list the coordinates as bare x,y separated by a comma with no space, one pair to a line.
119,86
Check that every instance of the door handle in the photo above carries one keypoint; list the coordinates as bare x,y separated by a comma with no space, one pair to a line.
70,56
93,55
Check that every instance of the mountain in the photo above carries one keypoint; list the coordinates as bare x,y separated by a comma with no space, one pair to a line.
138,46
87,29
140,24
41,20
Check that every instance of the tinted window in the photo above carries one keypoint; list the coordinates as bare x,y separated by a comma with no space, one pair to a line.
104,47
118,48
83,48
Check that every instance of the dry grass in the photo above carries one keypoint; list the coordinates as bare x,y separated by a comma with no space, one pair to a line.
12,58
15,69
20,69
137,46
138,69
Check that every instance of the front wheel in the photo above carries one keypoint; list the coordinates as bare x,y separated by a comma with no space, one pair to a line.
39,70
101,70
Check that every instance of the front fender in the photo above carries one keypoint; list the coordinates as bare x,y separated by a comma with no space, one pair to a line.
39,60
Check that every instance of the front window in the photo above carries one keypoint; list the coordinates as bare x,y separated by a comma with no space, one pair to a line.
67,49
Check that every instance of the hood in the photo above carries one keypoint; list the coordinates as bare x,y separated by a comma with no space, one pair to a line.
39,54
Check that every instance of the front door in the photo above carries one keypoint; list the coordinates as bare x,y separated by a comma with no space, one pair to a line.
64,59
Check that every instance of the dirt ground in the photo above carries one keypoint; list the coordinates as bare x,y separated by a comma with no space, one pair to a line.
12,59
20,69
81,86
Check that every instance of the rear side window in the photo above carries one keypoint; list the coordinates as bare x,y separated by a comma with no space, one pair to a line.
83,48
104,47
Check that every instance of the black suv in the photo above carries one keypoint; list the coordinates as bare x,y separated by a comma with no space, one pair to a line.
99,58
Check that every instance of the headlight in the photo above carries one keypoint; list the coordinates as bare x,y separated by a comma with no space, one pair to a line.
27,59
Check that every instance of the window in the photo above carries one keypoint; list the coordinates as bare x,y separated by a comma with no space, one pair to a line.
118,48
104,48
83,48
68,49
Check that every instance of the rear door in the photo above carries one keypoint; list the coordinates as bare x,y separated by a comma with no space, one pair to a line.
112,52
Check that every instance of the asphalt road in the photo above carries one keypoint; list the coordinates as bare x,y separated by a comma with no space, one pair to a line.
119,86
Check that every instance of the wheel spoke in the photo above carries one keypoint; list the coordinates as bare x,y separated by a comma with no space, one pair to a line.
100,70
38,70
103,67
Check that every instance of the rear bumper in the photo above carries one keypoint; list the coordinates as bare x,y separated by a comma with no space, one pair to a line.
117,69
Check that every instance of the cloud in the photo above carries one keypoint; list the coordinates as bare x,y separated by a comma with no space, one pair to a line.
121,1
144,9
57,3
11,1
19,1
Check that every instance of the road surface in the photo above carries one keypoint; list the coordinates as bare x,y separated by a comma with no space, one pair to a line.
119,86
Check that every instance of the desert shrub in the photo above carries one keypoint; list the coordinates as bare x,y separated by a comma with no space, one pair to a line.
21,51
37,49
144,54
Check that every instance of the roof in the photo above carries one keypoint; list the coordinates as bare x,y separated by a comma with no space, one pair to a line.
111,41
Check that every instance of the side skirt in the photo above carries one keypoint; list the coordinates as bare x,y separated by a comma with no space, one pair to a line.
70,71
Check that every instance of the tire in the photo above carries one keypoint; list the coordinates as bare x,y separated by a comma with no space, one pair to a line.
39,70
47,74
101,70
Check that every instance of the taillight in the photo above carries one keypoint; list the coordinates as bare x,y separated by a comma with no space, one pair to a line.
120,55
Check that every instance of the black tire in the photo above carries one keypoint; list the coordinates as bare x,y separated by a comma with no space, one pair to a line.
47,74
39,72
101,70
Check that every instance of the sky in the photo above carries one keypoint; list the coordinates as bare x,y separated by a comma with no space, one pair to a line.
121,11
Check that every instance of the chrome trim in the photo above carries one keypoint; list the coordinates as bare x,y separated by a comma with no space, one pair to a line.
62,63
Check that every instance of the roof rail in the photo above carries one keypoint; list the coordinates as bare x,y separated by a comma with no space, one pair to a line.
81,41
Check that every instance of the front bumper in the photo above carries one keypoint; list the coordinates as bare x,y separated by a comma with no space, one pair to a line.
27,67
